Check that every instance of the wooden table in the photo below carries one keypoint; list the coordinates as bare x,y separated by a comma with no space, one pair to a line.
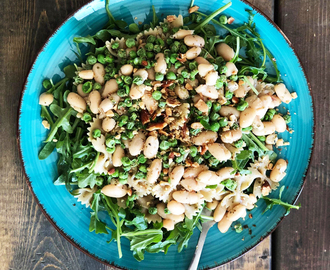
27,239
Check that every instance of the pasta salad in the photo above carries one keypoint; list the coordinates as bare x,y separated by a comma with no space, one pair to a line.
157,122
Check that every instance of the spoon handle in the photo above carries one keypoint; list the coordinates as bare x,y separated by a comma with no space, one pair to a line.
198,252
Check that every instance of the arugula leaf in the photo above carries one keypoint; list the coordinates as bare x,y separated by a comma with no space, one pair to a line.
96,203
138,221
46,150
86,179
243,155
154,17
70,71
111,18
45,115
89,39
271,202
97,225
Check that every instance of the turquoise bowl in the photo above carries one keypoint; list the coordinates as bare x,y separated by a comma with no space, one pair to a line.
72,219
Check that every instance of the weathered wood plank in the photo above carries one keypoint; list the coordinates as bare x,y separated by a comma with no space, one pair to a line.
27,240
303,239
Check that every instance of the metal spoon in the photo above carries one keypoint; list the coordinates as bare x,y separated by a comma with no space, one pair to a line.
199,248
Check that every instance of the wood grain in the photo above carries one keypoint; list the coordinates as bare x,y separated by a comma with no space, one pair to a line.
27,239
303,239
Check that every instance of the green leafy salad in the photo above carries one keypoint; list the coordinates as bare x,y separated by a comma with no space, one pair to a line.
161,120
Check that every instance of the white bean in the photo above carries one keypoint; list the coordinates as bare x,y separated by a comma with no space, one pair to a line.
187,197
247,117
191,184
181,34
251,99
208,91
126,70
94,98
271,139
201,60
232,86
231,69
283,93
176,175
228,111
194,41
208,178
203,69
117,156
211,78
137,91
99,73
269,128
236,212
241,91
76,102
161,212
225,51
175,207
86,74
168,224
250,203
142,73
224,225
219,151
212,205
160,65
136,145
151,147
181,92
106,105
154,171
80,91
275,102
279,122
219,212
193,172
193,52
278,171
108,124
205,137
225,173
151,74
46,99
114,191
110,87
231,136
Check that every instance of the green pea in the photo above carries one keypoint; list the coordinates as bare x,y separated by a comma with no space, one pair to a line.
223,19
97,86
99,181
151,39
193,65
142,159
166,211
180,79
228,95
173,142
230,184
128,80
123,175
164,145
157,48
91,59
126,161
160,42
130,42
173,58
223,69
152,210
115,45
213,161
242,105
234,78
133,116
130,134
216,106
193,151
214,116
171,75
101,59
132,54
157,95
159,76
198,158
122,53
174,48
194,132
239,143
138,80
47,84
86,117
238,228
111,150
179,159
218,84
96,133
183,49
109,59
185,74
209,104
149,47
223,122
137,61
110,142
141,52
121,92
177,64
140,175
169,41
193,74
130,125
162,104
122,120
287,118
87,87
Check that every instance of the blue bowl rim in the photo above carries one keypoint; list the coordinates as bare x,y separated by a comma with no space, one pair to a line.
85,251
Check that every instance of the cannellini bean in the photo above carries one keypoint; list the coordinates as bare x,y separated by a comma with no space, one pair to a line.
80,91
117,156
225,173
168,224
94,98
191,184
46,99
181,92
278,171
247,117
279,122
211,78
208,178
137,91
175,218
232,86
142,73
219,151
126,70
181,34
154,171
232,69
160,65
110,87
86,74
212,205
151,147
231,136
250,203
224,225
193,52
151,74
202,106
271,139
269,128
251,99
241,91
114,191
266,100
108,124
275,102
193,172
194,41
236,212
205,137
76,102
228,111
283,93
187,197
219,212
208,91
176,175
225,51
175,207
201,60
106,105
136,144
203,69
99,73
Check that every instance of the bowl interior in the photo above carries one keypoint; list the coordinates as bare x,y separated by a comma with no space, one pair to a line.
73,219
